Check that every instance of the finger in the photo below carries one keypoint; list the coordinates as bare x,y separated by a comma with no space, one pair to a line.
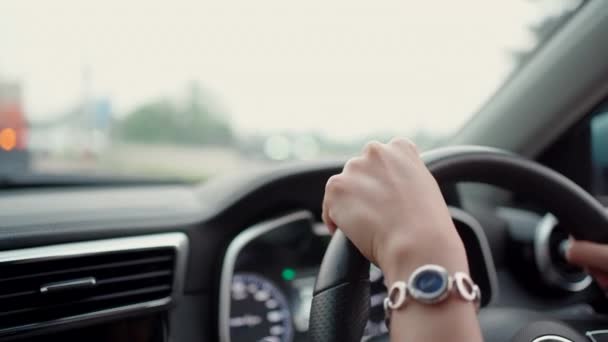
405,144
600,277
375,152
372,147
405,155
331,226
330,188
356,164
588,255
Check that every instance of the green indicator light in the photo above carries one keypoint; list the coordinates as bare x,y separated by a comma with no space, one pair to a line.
288,274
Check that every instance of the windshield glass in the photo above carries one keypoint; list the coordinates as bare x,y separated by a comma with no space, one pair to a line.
193,89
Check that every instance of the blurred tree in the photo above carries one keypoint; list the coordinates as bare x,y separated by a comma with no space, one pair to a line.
541,31
204,122
150,122
192,122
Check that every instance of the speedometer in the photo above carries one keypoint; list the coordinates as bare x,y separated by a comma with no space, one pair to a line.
375,325
258,310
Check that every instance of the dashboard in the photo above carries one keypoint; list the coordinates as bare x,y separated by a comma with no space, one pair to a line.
254,245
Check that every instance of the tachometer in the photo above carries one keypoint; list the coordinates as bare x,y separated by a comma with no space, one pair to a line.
258,310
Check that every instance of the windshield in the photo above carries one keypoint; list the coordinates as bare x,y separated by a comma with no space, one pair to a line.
193,89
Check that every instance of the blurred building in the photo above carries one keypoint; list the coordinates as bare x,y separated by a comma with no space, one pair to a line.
82,131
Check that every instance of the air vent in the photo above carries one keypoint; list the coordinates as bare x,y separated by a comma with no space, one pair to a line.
62,283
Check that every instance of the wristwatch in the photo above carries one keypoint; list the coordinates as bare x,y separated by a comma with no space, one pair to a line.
431,284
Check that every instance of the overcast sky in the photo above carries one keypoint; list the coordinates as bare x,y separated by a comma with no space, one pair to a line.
344,67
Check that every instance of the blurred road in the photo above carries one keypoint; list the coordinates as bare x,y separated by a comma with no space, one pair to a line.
193,163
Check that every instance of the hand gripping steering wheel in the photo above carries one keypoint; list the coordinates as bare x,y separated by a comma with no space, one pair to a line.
340,305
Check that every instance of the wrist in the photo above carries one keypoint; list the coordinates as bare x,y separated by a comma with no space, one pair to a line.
401,256
431,284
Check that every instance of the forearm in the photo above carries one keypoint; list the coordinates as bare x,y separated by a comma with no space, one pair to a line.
390,206
452,320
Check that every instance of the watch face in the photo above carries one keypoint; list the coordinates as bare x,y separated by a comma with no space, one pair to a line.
429,284
429,281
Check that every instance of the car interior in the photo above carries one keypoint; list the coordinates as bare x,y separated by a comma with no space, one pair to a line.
246,257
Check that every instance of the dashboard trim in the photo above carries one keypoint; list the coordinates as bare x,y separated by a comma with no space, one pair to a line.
230,258
591,334
469,220
551,338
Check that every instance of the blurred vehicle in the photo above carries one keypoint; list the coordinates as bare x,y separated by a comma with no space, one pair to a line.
14,153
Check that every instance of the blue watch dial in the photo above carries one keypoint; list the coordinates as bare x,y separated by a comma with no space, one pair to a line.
429,284
429,281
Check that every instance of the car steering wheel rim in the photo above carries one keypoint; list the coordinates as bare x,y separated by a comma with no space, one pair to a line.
340,305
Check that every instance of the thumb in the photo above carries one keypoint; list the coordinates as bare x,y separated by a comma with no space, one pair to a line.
600,277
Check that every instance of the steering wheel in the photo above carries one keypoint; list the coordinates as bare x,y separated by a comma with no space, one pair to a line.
340,305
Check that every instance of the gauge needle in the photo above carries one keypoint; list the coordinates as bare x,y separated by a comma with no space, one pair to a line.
245,320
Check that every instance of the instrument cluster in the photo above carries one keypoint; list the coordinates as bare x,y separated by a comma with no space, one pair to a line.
272,279
268,277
